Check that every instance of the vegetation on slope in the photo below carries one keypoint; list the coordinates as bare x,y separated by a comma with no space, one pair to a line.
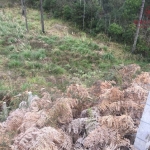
61,57
53,60
116,19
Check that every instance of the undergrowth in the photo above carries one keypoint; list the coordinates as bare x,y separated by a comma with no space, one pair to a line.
35,59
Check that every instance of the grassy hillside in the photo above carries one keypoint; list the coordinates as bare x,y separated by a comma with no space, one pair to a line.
67,69
62,56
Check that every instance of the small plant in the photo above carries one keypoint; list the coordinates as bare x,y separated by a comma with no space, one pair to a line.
55,69
27,54
14,63
34,55
36,80
33,65
108,56
52,40
11,48
12,40
115,29
105,48
15,56
38,55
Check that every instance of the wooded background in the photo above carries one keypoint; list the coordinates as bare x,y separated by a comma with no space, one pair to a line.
117,19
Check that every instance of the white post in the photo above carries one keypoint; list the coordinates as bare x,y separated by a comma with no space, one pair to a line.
143,133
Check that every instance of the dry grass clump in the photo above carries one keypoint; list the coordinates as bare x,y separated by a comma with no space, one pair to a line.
123,124
14,120
136,93
61,112
46,138
102,137
143,80
85,99
140,86
99,87
33,119
77,91
127,72
112,95
130,70
97,134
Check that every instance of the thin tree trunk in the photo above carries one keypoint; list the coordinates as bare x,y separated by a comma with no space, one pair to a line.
84,15
138,27
25,15
22,7
42,19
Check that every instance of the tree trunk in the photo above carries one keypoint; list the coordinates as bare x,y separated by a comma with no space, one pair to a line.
25,15
83,14
22,6
138,27
42,19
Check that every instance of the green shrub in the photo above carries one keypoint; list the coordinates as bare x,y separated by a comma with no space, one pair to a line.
11,48
67,12
33,65
15,56
55,69
128,35
115,31
34,55
27,54
12,40
143,48
108,56
14,63
39,54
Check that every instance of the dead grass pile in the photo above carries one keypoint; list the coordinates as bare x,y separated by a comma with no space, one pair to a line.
102,117
123,124
33,119
143,80
102,137
77,91
46,138
139,88
126,73
99,87
14,120
62,111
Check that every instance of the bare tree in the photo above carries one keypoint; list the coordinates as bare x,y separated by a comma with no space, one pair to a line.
138,26
42,18
24,13
84,15
22,6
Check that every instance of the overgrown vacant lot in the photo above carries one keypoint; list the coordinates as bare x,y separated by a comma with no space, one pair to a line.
72,67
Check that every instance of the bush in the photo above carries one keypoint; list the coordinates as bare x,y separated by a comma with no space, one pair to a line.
67,12
54,69
115,31
33,3
142,48
14,64
128,35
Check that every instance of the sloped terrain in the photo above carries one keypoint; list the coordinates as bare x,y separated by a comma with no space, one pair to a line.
91,93
100,117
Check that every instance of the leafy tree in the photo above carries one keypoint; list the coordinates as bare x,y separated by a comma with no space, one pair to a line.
115,30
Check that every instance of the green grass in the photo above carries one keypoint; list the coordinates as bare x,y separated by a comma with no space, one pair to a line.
35,60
